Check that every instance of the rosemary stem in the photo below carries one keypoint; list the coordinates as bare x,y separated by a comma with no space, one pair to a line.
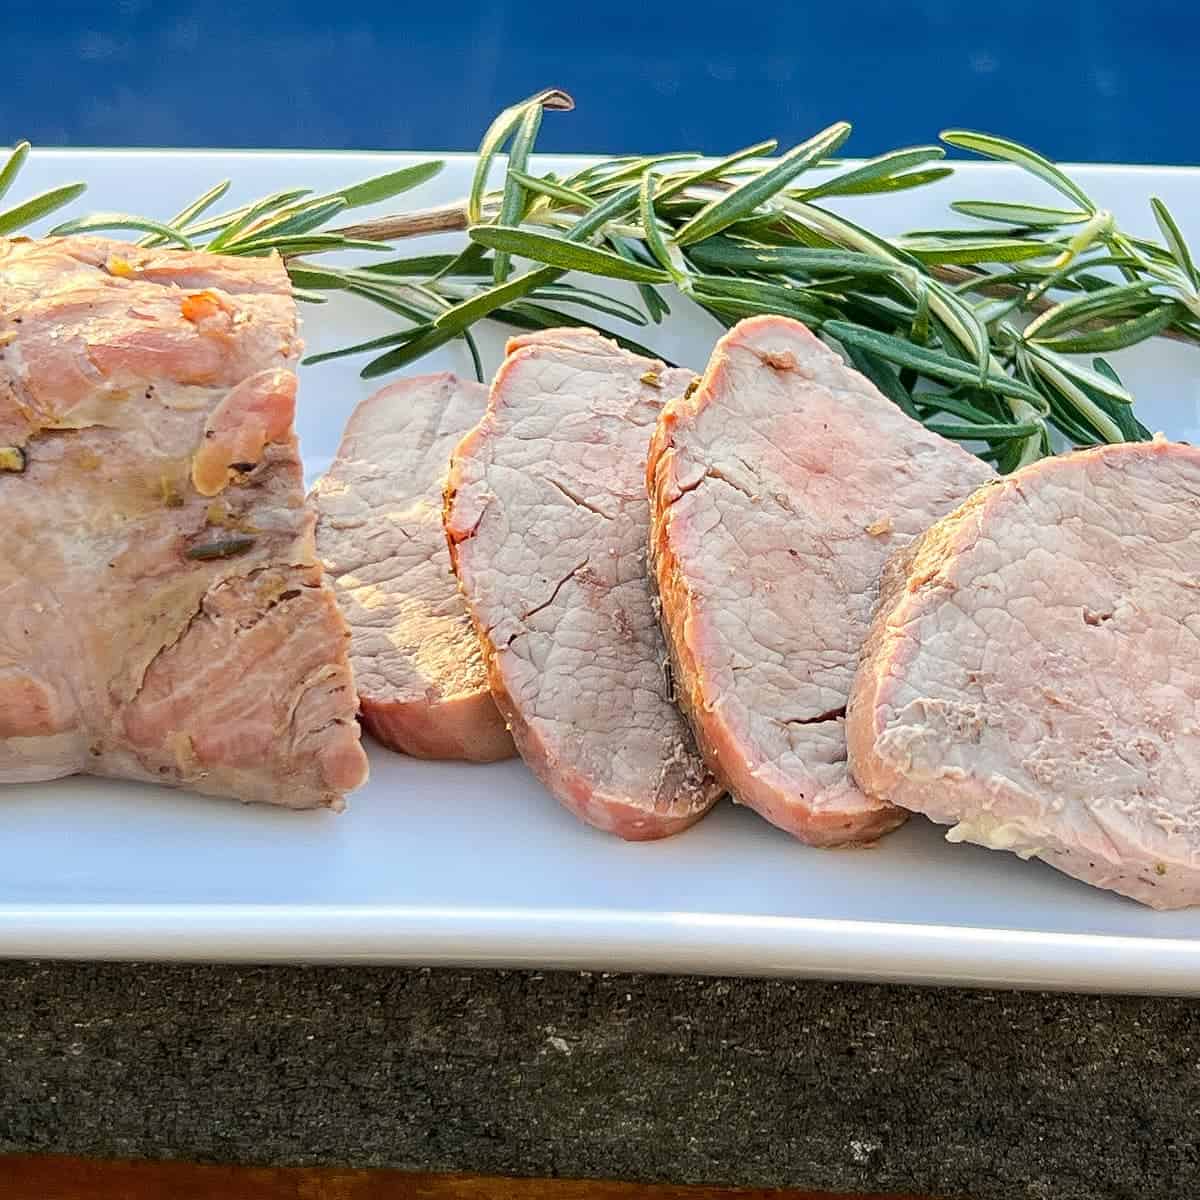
449,218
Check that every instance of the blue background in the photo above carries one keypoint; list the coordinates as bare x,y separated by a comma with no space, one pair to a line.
1080,79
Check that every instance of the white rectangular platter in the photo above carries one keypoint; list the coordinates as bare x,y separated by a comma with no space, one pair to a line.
478,865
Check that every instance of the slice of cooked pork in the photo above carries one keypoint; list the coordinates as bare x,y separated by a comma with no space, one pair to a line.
1032,675
163,615
422,685
547,519
778,488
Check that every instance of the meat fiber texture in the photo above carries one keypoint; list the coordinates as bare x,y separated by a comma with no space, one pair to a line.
778,488
1032,676
547,519
163,615
422,684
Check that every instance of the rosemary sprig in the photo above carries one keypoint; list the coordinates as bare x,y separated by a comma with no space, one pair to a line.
975,331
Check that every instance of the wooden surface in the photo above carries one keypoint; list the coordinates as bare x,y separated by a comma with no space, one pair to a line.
38,1178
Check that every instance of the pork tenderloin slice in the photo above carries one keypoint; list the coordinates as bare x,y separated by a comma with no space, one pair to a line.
547,520
1031,675
163,616
422,684
777,489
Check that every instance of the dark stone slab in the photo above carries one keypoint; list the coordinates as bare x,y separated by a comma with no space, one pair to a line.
844,1087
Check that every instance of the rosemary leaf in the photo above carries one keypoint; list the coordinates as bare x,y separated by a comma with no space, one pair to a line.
719,169
289,222
897,183
991,311
40,206
1019,214
222,221
12,166
884,167
723,254
1115,337
1083,376
477,307
401,303
471,260
248,215
426,339
108,222
668,256
1132,429
186,215
1081,404
949,403
1070,314
1171,235
442,265
990,432
495,137
379,343
972,253
844,233
473,350
928,362
656,306
303,243
310,275
599,301
544,186
763,297
568,256
387,187
746,197
635,168
480,305
512,204
1001,148
962,321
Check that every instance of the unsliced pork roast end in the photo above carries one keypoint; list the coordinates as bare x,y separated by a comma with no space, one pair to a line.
164,614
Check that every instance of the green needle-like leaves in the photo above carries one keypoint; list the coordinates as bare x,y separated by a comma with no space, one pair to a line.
119,222
976,332
1019,214
40,206
498,133
12,166
513,201
387,187
742,200
1001,148
570,256
927,362
865,177
188,214
1175,243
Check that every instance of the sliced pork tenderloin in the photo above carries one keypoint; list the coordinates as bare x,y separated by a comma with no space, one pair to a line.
422,684
778,488
163,615
547,519
1032,676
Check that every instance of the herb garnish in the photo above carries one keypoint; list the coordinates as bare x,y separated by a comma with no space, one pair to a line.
977,332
